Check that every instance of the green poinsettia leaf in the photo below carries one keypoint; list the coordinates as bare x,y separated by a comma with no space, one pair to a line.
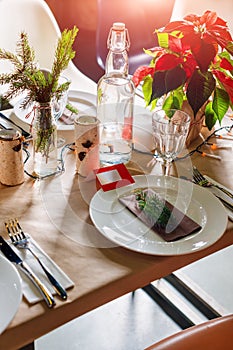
199,89
153,104
166,81
173,101
147,89
163,39
229,47
224,54
180,96
210,116
220,103
148,52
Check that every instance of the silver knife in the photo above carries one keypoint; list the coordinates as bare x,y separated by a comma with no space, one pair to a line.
14,258
7,123
227,204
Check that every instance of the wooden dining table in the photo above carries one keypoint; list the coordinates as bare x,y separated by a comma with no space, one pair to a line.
55,212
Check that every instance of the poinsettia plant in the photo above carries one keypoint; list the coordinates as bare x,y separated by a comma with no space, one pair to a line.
192,61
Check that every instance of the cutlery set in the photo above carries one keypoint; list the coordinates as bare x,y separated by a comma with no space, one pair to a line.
201,180
21,241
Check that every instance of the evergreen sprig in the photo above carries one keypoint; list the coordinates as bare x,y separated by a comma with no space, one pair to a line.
40,85
154,208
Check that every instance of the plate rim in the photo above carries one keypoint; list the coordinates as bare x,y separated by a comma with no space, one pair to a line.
128,246
18,280
71,94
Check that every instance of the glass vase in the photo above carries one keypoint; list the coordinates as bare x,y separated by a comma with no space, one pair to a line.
44,132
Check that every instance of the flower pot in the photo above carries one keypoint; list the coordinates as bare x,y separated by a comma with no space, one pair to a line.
44,132
196,123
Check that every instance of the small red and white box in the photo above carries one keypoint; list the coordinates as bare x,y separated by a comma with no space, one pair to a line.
112,177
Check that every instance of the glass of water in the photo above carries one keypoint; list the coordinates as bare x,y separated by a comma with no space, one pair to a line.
170,129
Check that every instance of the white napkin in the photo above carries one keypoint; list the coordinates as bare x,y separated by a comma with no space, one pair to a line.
222,195
30,292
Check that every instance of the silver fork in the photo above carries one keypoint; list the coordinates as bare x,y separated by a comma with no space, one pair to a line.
202,181
21,241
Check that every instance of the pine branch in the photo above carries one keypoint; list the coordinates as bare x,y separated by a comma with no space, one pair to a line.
40,86
6,55
25,53
64,52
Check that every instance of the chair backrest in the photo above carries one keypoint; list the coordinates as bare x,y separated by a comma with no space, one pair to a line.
224,9
215,334
37,20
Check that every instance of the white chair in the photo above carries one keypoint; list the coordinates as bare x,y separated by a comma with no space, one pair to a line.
224,9
37,20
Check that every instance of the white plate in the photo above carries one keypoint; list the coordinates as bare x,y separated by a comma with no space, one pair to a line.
83,101
10,292
123,228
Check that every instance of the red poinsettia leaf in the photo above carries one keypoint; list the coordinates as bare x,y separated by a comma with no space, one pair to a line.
219,37
192,18
208,18
226,81
141,73
221,22
167,61
189,65
175,44
225,64
216,30
220,32
165,81
223,43
199,89
174,26
204,54
166,40
191,38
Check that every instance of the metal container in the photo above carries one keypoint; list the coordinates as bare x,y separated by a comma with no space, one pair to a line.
11,158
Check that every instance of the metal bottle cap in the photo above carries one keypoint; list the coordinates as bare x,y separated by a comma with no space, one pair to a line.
118,26
9,134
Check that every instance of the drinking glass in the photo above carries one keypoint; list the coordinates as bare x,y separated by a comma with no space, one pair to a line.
170,129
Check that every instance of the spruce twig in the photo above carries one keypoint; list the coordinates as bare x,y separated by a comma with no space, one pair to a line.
154,208
27,77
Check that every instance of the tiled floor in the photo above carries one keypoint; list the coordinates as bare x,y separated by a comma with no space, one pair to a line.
135,321
131,322
213,274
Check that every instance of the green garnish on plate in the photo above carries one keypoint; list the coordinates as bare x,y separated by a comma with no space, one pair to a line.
154,208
